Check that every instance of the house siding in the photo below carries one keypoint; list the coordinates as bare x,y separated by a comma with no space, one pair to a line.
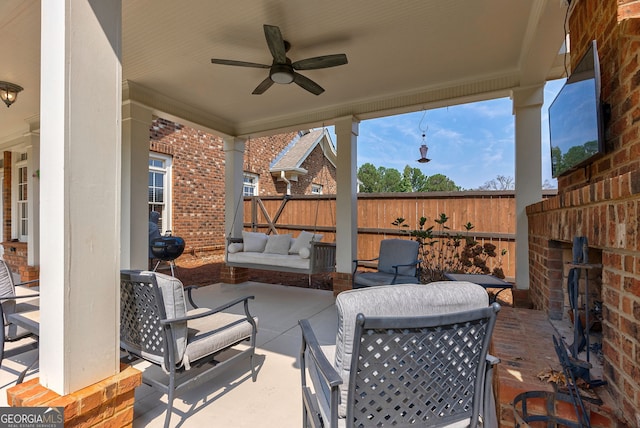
602,201
198,169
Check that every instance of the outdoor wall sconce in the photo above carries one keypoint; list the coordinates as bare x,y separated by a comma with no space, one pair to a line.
9,92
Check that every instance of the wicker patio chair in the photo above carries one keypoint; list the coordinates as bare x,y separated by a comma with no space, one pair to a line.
397,264
156,326
14,298
404,355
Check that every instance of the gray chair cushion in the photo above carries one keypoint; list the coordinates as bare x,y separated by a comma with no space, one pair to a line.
372,279
175,306
211,334
397,300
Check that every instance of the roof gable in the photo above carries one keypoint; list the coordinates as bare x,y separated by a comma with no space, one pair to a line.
294,155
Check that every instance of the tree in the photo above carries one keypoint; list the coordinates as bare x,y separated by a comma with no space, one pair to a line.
369,178
391,180
414,180
388,180
440,183
379,180
501,182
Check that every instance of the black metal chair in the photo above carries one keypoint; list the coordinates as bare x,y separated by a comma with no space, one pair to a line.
397,264
14,298
413,355
156,326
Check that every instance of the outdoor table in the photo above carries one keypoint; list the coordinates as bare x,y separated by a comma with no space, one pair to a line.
486,281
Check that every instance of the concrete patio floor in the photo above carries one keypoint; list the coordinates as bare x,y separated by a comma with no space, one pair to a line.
231,399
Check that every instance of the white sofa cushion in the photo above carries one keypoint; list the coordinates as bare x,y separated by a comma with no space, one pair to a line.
254,241
305,252
235,247
289,261
304,240
278,244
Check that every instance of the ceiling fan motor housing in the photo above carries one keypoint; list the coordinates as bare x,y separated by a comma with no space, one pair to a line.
281,73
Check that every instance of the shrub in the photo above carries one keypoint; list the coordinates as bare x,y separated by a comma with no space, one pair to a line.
444,251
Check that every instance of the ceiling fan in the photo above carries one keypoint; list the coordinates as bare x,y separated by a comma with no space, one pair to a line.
282,70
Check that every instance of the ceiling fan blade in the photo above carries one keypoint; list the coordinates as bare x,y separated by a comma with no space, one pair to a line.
276,43
238,63
317,62
263,86
308,84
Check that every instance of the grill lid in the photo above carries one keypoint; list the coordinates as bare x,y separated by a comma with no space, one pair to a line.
167,247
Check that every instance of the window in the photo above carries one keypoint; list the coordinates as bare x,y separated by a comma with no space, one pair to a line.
250,184
21,215
23,203
159,189
316,189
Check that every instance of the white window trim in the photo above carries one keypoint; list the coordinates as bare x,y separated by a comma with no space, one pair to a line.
319,187
256,187
15,211
166,215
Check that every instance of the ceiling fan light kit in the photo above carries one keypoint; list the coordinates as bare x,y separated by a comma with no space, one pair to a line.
281,73
282,70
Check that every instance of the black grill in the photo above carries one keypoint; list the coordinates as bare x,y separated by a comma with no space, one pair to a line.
167,248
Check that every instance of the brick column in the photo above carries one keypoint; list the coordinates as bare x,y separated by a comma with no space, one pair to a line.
341,282
106,403
233,275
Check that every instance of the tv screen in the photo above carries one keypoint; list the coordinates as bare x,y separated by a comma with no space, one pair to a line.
575,117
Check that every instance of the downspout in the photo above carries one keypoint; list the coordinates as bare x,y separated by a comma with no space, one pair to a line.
284,178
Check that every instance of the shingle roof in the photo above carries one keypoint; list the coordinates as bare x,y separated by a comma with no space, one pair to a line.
297,151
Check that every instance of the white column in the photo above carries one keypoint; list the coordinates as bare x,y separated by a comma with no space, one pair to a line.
346,196
80,104
527,104
33,197
233,181
134,236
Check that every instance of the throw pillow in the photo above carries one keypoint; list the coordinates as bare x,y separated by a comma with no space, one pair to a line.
303,240
304,253
254,241
278,244
235,247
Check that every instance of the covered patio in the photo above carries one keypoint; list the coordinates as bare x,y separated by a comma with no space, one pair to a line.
95,73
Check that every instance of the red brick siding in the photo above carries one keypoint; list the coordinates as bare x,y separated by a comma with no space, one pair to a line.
618,44
197,168
198,199
602,201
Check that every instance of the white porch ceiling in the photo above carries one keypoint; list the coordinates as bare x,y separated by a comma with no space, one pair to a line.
403,56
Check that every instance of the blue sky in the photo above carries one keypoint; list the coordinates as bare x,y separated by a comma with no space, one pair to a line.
471,143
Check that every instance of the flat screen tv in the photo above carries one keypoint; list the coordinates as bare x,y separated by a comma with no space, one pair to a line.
576,124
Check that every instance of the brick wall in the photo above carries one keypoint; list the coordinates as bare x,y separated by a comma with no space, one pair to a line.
198,178
602,200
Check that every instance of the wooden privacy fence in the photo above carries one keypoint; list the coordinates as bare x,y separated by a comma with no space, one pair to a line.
492,214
